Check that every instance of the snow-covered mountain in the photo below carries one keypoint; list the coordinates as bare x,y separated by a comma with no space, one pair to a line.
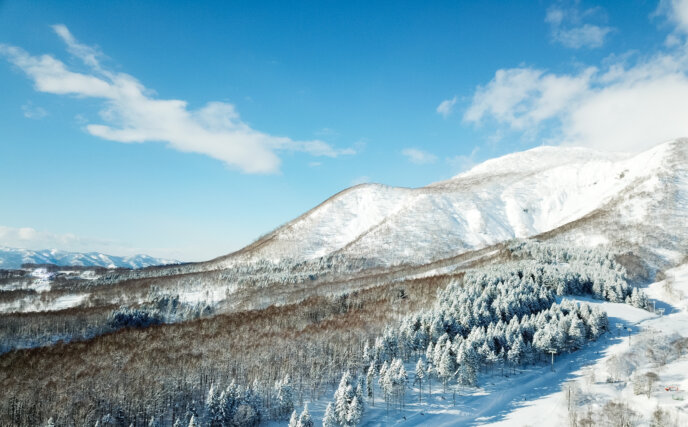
13,258
576,194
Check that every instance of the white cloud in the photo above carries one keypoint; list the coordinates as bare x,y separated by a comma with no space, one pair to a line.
676,12
566,28
624,105
418,157
30,238
523,97
588,35
132,115
446,107
33,112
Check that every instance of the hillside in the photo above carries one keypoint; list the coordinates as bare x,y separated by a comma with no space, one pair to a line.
607,198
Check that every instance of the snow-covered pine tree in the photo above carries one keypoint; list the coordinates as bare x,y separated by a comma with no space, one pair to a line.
294,419
285,398
370,383
305,419
330,419
446,367
342,398
576,333
515,353
420,374
355,412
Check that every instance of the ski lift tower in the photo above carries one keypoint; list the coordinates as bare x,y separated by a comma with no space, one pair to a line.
660,311
552,352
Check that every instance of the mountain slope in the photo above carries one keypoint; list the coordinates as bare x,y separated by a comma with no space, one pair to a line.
13,258
612,197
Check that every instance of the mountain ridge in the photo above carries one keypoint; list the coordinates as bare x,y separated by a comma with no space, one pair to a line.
515,196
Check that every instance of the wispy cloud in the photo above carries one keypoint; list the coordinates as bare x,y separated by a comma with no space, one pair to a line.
131,113
629,103
524,97
568,29
33,112
419,157
30,238
446,107
676,12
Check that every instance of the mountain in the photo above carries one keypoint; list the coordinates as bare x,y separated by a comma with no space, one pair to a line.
13,258
639,202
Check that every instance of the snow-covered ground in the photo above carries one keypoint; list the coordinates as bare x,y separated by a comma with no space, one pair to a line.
539,396
35,303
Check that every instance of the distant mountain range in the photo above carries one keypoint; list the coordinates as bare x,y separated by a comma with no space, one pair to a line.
13,258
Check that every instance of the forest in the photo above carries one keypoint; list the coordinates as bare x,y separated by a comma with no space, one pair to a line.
444,328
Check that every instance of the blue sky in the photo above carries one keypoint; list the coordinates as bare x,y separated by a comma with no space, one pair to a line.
187,130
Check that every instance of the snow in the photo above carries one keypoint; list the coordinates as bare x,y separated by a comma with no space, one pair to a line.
13,258
34,304
537,395
204,294
518,195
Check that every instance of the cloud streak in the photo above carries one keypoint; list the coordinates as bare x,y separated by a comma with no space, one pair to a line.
33,112
446,107
131,114
567,28
30,238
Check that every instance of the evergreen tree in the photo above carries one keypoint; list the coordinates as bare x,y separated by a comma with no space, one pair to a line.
355,412
305,419
516,352
420,374
330,418
294,420
285,399
343,397
446,367
370,385
576,333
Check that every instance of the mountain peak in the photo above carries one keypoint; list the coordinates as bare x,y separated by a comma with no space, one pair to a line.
518,195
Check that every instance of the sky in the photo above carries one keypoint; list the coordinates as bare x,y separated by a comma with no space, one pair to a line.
186,130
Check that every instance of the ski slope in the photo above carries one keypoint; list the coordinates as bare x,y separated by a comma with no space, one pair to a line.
537,395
